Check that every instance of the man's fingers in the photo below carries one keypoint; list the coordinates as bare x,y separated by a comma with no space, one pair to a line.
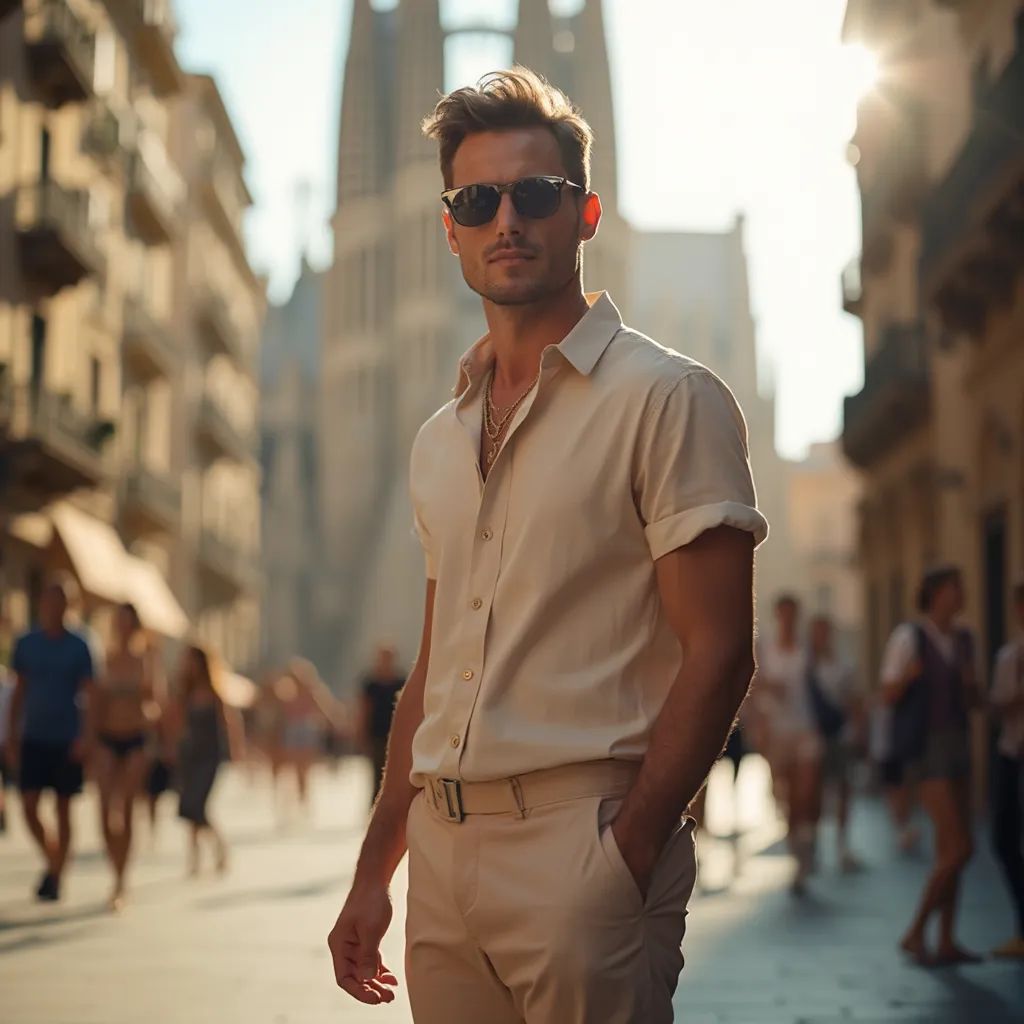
361,991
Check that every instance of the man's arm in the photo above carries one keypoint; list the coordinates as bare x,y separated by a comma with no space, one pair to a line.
355,939
706,590
13,744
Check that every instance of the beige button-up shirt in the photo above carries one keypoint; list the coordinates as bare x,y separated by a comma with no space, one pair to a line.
550,645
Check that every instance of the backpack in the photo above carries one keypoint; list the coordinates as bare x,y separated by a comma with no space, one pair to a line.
828,716
910,713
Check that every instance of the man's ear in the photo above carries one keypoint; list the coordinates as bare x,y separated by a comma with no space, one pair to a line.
591,216
449,231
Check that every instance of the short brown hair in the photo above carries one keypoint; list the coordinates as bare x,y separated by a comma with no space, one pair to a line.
517,98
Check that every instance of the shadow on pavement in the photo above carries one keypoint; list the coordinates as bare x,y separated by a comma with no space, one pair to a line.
303,890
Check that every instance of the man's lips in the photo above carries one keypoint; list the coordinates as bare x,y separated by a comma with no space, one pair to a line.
510,256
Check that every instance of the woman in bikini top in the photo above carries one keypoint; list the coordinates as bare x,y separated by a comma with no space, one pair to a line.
124,695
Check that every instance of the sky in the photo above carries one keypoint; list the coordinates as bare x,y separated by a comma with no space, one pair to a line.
724,107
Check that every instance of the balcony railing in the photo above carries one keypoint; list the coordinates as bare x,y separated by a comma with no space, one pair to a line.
852,287
152,499
60,52
155,195
894,399
223,436
218,326
149,345
228,560
57,242
52,447
154,37
973,223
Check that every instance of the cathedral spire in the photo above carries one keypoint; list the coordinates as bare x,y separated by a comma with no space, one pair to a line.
359,145
420,73
592,92
534,40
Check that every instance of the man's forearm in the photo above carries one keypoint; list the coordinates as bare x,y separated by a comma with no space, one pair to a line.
384,845
687,738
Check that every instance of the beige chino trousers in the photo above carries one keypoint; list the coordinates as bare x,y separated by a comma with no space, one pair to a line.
536,918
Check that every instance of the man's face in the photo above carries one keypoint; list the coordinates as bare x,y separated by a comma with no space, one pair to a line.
950,599
515,260
53,606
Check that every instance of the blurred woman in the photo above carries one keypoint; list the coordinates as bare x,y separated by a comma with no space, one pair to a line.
210,733
929,680
796,748
123,693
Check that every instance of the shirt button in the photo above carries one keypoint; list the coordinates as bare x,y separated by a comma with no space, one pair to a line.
487,535
468,674
455,741
477,603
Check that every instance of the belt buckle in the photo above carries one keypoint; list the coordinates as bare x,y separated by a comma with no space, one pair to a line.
449,799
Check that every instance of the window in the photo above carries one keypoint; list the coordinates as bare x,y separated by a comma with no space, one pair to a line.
95,384
38,368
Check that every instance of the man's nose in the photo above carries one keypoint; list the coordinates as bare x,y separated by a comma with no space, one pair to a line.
508,220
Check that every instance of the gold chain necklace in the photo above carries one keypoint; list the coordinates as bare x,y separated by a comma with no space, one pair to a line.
494,426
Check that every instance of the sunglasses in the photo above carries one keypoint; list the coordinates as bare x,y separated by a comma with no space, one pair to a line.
535,197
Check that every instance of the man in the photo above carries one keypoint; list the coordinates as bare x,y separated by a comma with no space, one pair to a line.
588,519
930,681
1007,699
380,691
47,738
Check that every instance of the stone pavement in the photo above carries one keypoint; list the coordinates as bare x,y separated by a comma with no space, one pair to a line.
251,947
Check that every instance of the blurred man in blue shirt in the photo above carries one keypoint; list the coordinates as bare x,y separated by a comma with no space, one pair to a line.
48,735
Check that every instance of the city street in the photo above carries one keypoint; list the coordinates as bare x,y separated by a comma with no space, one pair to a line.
251,947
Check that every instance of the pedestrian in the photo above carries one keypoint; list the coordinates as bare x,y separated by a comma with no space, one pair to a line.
123,694
50,726
795,744
209,734
587,516
1007,700
930,682
839,715
898,792
380,690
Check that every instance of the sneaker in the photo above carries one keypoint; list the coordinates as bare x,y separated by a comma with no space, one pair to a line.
49,888
1012,950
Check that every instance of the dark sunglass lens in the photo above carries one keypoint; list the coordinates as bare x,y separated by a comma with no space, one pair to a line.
536,197
475,205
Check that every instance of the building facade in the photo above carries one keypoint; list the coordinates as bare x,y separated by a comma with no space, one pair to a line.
938,428
95,353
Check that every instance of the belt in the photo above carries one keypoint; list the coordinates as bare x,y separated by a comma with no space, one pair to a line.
453,799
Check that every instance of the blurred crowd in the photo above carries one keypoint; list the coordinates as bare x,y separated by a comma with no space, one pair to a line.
75,710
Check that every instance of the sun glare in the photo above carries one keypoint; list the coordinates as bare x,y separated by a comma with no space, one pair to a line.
861,68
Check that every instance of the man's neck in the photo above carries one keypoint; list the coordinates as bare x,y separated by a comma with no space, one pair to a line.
519,334
53,632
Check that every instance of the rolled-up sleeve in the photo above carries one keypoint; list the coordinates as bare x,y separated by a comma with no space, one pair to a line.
692,465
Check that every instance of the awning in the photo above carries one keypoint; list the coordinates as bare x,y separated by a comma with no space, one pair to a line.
95,550
106,570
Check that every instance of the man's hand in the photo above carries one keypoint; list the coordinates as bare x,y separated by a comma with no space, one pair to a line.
354,943
640,857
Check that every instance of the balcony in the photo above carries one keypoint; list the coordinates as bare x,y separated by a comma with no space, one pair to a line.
56,242
895,398
60,53
894,193
150,500
101,137
226,199
155,31
972,244
852,287
49,448
220,435
227,561
155,194
218,327
148,345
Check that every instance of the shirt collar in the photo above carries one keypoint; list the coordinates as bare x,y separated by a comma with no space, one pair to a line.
582,347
